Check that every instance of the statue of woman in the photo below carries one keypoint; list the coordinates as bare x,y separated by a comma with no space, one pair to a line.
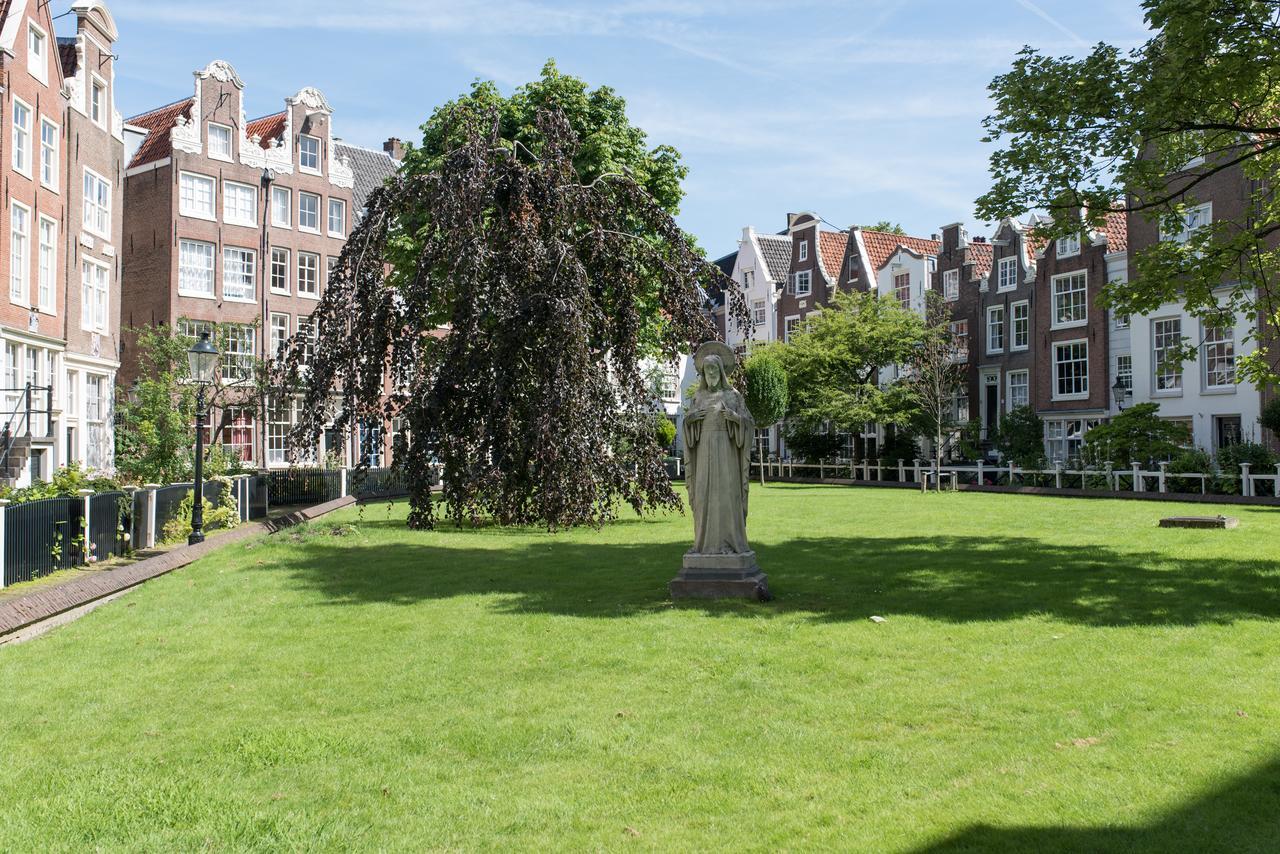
718,431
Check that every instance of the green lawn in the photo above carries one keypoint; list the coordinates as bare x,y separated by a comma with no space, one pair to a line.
1054,674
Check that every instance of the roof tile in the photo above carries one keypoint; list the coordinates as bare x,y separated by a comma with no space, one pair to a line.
882,244
268,128
158,123
831,246
776,249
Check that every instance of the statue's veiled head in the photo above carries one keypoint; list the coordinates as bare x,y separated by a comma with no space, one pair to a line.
715,362
713,375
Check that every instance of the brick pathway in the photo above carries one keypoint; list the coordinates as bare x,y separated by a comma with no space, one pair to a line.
43,603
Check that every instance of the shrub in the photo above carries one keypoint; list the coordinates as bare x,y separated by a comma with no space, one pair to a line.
65,483
1258,456
1139,435
664,430
810,445
1270,418
898,445
223,515
1020,438
1188,460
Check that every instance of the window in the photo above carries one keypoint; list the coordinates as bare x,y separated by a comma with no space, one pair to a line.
804,283
1021,326
20,255
47,265
21,138
1228,430
748,279
902,289
331,264
1007,278
93,408
1064,438
279,333
790,326
94,284
1019,389
239,272
960,340
97,204
951,285
196,195
1166,358
995,329
306,339
1071,370
239,204
759,312
309,212
804,250
308,274
1193,219
281,207
98,103
280,270
337,218
49,154
37,52
371,444
1124,371
237,353
670,383
237,433
73,381
1219,357
309,153
219,141
1121,320
1070,300
1068,246
960,406
279,423
195,268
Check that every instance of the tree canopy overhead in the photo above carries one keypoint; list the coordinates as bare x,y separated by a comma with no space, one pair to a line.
1128,130
535,266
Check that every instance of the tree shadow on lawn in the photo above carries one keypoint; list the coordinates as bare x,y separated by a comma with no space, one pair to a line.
1238,817
952,578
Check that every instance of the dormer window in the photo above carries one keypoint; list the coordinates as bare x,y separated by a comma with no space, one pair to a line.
98,103
804,250
219,141
1068,246
309,153
37,52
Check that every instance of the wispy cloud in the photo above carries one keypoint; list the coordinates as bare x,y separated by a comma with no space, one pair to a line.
1035,9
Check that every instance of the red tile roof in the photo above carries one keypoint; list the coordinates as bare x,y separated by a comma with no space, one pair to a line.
831,246
981,256
267,128
158,123
1117,231
882,244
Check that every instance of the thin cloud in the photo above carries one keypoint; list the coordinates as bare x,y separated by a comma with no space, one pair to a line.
1052,21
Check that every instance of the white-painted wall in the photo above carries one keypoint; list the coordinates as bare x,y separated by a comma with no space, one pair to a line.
761,289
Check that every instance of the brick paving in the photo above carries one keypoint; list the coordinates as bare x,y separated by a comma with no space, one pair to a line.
43,603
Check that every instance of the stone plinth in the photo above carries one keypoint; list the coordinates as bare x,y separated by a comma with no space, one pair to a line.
1200,522
732,576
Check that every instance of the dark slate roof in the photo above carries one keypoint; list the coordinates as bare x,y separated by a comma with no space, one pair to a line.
726,263
776,249
372,169
69,56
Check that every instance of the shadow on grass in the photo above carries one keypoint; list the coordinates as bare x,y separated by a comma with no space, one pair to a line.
951,578
1239,817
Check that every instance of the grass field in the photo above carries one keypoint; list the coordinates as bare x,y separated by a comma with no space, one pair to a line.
1054,674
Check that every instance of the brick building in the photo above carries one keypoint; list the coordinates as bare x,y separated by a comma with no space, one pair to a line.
61,167
236,224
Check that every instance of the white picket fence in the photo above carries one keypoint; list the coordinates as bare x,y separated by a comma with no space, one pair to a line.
1247,483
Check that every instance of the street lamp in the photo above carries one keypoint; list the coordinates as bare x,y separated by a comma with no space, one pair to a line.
202,359
1120,391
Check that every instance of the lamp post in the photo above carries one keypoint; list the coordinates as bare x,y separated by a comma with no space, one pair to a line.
1120,391
202,359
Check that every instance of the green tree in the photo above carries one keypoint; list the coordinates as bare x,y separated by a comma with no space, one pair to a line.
1020,438
833,363
1270,419
885,225
1127,130
933,377
812,444
664,430
1139,435
155,419
766,393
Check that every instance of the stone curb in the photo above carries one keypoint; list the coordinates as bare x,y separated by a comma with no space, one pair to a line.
40,605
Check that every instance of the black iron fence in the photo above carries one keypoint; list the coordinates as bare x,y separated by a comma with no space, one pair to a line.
108,514
295,486
41,537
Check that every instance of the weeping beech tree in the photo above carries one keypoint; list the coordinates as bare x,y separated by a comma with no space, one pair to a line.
512,346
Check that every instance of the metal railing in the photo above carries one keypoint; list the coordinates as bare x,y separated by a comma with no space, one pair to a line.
18,421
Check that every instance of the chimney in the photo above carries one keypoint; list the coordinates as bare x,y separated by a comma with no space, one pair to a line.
394,148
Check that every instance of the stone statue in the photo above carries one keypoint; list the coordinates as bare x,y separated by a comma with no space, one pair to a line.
718,432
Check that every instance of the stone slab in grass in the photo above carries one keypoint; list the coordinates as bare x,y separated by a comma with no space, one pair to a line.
1200,522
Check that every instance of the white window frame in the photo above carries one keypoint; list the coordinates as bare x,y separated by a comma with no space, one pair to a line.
287,195
302,167
898,288
49,155
231,214
1057,363
951,285
212,255
787,328
214,153
1205,343
1123,373
1010,282
94,213
1206,212
306,228
1067,247
1055,321
238,352
807,277
271,271
36,33
184,210
1156,350
298,278
959,331
23,138
20,261
95,294
759,312
1025,306
98,109
278,332
1025,385
342,213
804,250
992,311
47,284
237,271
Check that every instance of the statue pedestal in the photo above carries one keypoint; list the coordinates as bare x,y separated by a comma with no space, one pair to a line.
734,576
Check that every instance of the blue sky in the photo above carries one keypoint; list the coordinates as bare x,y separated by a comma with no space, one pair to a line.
860,110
